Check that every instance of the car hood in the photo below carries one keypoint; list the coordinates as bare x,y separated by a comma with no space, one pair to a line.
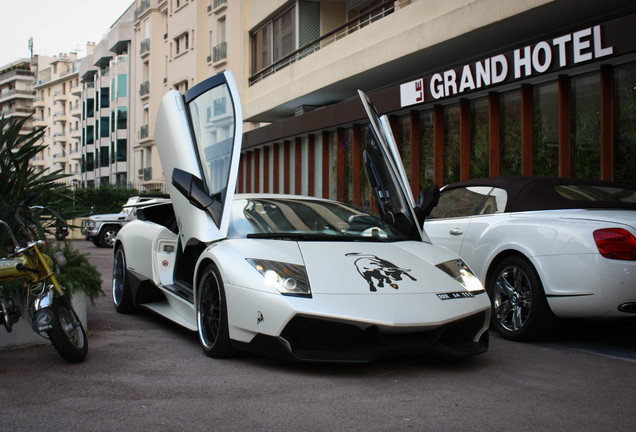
378,268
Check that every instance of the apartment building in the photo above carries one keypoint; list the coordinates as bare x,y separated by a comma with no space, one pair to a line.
177,44
107,75
57,107
16,91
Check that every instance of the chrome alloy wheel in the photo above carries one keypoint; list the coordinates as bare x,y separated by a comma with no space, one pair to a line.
512,298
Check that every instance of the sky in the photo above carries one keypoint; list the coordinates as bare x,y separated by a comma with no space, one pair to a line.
56,26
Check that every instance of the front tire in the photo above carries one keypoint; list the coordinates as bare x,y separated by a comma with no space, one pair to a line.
212,322
107,236
122,296
520,310
67,336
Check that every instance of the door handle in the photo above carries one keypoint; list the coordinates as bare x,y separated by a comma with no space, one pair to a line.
456,231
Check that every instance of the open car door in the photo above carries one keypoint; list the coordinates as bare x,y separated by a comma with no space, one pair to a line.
198,138
387,177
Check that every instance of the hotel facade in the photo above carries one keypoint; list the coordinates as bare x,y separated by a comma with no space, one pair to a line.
471,87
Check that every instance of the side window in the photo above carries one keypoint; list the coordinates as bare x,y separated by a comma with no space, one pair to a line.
494,203
460,202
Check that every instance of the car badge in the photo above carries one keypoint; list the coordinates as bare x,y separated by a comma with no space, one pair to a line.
377,271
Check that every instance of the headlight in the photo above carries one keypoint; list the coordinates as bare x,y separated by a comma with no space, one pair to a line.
288,279
458,270
89,223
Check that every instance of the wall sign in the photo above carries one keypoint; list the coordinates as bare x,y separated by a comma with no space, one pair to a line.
545,56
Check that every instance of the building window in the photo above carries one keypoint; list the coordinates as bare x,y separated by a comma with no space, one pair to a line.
427,154
122,117
90,135
510,133
182,86
90,162
122,85
103,129
625,124
479,138
274,40
585,92
545,131
103,156
90,107
121,150
181,43
451,143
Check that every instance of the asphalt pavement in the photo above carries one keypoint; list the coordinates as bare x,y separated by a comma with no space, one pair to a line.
144,373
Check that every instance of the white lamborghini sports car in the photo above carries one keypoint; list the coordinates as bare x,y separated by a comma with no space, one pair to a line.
290,276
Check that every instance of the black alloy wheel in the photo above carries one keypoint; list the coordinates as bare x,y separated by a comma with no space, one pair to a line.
122,297
212,322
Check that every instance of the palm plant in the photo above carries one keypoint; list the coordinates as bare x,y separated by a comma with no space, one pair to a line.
20,180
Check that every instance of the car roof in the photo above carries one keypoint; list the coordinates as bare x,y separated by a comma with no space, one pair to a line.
526,193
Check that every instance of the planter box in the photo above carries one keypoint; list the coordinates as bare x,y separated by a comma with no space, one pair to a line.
22,333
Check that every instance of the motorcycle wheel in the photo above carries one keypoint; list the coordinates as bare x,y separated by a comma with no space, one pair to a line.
67,335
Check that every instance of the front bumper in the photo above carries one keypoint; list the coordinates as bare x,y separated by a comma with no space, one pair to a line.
89,229
320,340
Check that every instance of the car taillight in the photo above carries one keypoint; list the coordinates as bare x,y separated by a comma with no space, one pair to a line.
616,243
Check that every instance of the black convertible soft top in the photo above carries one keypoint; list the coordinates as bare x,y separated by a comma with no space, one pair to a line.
526,193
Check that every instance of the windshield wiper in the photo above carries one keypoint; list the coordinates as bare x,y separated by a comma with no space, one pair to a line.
313,237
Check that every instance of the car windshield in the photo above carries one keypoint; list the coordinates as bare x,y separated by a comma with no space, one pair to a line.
299,219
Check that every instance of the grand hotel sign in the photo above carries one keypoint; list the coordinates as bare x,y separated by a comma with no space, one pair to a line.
545,56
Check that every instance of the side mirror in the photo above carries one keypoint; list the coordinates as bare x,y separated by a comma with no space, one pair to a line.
426,202
193,188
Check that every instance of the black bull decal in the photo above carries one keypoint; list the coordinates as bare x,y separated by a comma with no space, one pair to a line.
376,271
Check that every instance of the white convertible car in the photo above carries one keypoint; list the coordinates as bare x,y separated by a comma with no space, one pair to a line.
289,276
543,247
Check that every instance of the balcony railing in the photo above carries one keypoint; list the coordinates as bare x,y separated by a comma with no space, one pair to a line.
144,5
144,88
144,46
362,20
219,52
143,132
218,3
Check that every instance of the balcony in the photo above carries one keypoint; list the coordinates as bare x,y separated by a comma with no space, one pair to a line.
60,138
144,89
218,5
60,116
38,103
76,132
75,155
76,90
59,158
76,110
360,21
144,47
38,122
59,97
219,52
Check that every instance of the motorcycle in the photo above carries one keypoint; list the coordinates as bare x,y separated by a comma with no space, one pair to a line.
48,307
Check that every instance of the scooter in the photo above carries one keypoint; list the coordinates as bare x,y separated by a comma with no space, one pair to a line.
47,306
